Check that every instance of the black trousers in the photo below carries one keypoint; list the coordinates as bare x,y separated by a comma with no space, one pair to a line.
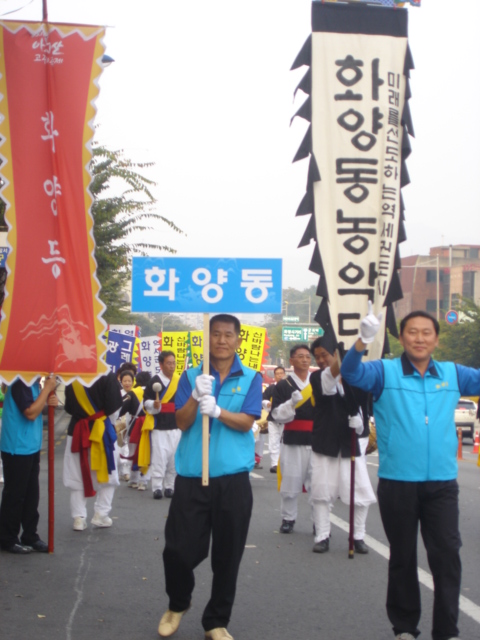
403,505
222,510
20,498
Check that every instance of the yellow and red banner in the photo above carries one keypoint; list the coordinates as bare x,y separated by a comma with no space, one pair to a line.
51,317
189,344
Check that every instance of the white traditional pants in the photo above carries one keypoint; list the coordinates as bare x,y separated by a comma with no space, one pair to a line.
296,469
135,474
275,431
72,479
162,463
331,480
260,445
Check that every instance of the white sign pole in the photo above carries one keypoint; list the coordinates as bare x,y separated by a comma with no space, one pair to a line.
206,419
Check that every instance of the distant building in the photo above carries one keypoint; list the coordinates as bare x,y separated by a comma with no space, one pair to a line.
439,279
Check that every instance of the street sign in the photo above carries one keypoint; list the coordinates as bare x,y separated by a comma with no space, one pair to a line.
207,285
451,317
291,319
300,334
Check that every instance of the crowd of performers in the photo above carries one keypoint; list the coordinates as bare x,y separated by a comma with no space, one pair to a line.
146,429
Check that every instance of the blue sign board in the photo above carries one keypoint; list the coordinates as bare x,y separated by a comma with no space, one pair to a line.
3,256
451,317
207,285
119,349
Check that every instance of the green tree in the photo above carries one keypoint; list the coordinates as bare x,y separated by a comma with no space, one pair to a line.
460,343
116,218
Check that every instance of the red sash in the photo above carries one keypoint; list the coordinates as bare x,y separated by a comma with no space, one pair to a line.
81,444
299,425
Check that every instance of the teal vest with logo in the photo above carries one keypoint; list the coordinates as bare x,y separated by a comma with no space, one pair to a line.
414,418
230,451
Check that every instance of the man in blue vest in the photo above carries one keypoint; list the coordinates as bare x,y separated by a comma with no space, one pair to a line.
232,398
20,444
414,405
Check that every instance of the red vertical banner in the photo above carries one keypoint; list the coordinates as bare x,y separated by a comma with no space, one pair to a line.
51,318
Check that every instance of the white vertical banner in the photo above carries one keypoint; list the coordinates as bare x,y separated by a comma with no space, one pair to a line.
358,89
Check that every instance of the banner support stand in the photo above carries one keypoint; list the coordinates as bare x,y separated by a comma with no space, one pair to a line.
205,419
51,476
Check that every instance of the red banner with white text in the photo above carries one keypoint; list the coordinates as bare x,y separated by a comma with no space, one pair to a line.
51,318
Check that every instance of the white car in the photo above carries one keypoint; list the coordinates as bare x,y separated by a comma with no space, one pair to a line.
465,415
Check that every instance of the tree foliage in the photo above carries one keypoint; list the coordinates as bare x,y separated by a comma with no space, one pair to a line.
460,343
116,219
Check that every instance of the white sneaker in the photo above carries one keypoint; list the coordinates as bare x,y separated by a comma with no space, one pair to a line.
142,486
404,636
132,484
79,523
101,521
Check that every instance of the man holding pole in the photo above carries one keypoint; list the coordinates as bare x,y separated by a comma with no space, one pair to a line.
20,444
414,405
231,397
339,409
165,435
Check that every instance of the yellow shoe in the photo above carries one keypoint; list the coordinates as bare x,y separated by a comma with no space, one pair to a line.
170,622
220,633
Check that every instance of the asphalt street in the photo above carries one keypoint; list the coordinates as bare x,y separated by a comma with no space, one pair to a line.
108,583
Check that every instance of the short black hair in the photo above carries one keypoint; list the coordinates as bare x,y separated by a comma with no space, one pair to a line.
228,319
294,349
127,366
126,372
419,314
164,354
279,369
142,379
323,342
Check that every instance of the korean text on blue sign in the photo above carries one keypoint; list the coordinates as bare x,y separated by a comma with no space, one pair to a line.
207,285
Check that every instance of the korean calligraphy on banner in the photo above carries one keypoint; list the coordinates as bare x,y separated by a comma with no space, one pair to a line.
176,341
252,351
121,348
126,329
358,140
149,348
206,285
51,318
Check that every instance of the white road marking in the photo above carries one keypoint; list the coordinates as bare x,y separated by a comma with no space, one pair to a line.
83,569
256,475
468,607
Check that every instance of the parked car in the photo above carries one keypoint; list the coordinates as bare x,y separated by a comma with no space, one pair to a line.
465,415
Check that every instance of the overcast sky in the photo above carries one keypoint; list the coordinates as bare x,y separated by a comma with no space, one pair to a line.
203,89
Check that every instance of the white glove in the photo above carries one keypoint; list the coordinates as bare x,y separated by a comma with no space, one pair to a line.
296,397
203,386
370,325
356,422
209,407
266,404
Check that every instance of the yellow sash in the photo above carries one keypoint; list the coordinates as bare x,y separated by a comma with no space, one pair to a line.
144,448
98,458
306,396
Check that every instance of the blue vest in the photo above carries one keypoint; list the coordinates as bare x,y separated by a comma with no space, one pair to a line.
414,417
230,451
20,436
